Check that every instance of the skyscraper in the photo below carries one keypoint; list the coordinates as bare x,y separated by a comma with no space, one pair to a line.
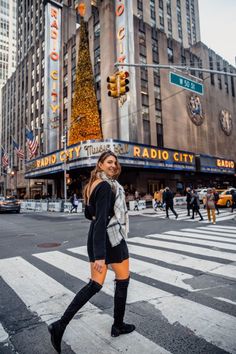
7,44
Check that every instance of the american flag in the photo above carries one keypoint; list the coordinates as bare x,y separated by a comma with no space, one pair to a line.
31,143
5,159
18,150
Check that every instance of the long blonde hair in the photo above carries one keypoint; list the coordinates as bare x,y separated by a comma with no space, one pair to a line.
94,177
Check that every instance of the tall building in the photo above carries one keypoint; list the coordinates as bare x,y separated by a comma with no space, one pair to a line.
162,133
7,44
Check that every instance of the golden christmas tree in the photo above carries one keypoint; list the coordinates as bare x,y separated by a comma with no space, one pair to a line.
85,120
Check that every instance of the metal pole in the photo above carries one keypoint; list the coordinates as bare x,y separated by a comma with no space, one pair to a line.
65,143
176,67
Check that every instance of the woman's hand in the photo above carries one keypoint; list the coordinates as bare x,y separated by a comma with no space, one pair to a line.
99,265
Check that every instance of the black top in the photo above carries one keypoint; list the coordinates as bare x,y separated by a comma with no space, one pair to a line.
99,211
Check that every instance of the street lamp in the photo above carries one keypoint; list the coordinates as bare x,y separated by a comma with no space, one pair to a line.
64,141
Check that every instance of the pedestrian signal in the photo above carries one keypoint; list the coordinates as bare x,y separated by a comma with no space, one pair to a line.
112,86
123,75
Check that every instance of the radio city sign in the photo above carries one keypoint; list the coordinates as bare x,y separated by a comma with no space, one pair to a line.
52,63
129,154
121,31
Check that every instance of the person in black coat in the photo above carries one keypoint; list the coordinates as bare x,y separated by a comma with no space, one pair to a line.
105,206
188,200
168,200
195,203
233,193
216,195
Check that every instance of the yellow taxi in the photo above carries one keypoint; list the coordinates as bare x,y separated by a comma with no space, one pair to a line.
225,198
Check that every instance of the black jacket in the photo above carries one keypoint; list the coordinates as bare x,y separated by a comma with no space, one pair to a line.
100,210
168,198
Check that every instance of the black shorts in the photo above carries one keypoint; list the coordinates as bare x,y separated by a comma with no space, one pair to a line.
115,254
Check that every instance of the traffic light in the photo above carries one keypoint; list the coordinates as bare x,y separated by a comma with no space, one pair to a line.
124,82
112,86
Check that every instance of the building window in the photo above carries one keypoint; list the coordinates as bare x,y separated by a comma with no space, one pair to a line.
232,86
152,10
145,100
141,26
140,5
161,4
146,132
159,128
211,68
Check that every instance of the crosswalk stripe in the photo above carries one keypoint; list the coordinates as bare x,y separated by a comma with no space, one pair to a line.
223,227
197,318
3,334
191,249
212,267
189,237
150,270
91,320
80,269
218,229
201,230
207,232
48,298
224,215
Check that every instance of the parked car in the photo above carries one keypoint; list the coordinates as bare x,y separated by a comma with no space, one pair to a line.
225,198
201,193
9,204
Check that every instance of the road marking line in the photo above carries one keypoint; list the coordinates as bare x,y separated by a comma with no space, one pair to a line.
3,334
48,298
80,269
192,249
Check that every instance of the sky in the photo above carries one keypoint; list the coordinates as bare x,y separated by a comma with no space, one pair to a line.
218,27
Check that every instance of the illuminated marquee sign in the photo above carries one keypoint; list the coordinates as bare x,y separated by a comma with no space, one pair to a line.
225,163
131,155
52,69
216,165
121,31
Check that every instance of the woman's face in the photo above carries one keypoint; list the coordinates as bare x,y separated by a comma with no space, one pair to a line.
109,166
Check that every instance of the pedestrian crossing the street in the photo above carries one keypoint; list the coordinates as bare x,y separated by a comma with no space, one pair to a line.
225,214
181,296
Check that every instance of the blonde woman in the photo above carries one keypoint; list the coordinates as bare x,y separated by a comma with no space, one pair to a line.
210,205
106,208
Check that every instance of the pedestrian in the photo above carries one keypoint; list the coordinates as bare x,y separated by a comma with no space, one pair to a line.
210,205
188,200
168,200
158,200
74,203
216,196
195,203
105,206
233,193
136,198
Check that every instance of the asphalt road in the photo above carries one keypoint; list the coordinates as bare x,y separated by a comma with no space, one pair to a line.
182,296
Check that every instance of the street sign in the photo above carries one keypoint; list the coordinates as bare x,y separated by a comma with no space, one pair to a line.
186,83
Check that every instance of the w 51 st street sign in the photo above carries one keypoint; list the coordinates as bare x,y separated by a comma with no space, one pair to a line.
187,84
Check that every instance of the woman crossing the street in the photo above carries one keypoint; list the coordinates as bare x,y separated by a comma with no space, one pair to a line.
105,206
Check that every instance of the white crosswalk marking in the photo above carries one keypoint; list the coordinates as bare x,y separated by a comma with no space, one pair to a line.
48,299
80,269
3,334
181,236
191,249
164,268
225,214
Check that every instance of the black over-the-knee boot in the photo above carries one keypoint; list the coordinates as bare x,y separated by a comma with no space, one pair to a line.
119,327
57,328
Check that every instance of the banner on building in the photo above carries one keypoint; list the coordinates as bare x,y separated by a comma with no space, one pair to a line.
52,73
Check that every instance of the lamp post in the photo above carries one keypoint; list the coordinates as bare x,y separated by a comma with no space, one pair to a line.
64,141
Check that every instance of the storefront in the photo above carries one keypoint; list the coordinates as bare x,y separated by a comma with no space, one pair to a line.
146,168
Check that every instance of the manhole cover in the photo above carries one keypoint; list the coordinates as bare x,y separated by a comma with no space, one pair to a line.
48,244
